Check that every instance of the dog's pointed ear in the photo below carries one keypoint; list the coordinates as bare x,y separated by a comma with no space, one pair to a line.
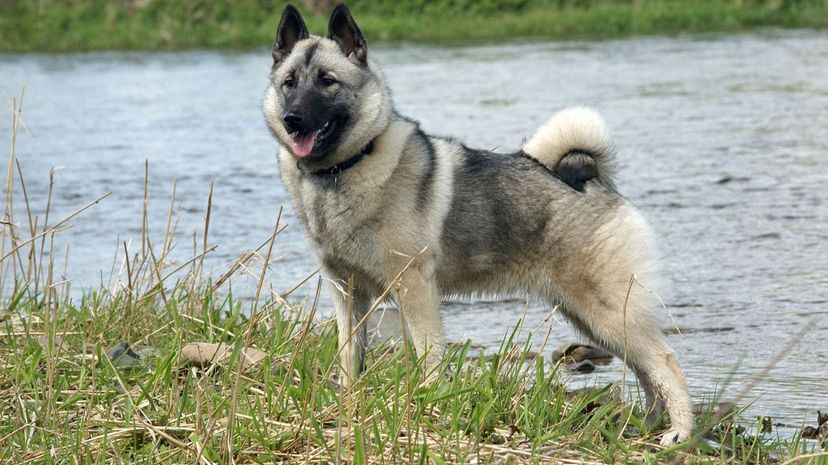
343,30
292,29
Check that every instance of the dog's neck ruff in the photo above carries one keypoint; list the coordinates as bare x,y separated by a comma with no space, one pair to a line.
347,164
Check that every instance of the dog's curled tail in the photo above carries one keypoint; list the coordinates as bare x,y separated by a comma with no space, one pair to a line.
575,145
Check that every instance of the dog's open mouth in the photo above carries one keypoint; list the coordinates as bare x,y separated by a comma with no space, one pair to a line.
303,143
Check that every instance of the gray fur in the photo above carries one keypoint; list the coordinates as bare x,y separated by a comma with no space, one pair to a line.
426,216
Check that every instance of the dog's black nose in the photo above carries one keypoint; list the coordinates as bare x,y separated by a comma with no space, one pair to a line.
293,120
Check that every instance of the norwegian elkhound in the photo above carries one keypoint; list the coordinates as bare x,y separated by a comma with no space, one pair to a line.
390,210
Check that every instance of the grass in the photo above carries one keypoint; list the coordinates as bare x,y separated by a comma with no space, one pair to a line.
59,26
65,397
64,401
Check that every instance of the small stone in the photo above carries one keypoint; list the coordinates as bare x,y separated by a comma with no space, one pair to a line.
58,342
18,324
770,235
576,352
728,179
585,366
146,352
680,330
766,424
809,432
122,355
117,351
631,432
205,353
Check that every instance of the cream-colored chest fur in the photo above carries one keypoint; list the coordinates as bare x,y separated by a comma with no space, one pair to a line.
365,217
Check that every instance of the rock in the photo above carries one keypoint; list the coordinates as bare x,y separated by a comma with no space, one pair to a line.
205,353
729,179
821,432
766,424
146,352
122,355
771,235
59,344
631,432
584,366
17,324
576,352
727,427
685,305
712,329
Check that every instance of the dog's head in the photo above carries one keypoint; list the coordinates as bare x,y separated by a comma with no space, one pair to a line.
324,102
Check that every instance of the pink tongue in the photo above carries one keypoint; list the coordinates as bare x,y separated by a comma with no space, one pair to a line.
303,145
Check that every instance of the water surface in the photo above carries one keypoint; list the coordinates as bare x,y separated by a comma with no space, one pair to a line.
722,142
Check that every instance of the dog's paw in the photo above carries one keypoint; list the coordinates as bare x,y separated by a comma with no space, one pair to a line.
672,437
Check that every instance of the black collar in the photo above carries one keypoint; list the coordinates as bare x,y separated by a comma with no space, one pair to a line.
349,163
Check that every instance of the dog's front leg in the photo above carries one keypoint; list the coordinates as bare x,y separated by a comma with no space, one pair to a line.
350,306
419,301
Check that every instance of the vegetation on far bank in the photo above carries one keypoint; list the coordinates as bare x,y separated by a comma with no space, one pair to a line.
59,25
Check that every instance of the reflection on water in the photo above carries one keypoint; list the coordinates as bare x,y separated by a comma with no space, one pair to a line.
722,143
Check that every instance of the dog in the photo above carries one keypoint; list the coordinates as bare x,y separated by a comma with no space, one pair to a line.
391,210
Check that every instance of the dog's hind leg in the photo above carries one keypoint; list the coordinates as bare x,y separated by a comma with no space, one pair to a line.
604,300
654,403
625,326
661,370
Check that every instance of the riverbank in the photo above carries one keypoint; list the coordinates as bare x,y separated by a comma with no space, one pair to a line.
185,374
57,26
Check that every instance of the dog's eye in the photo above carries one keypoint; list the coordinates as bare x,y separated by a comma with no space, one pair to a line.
328,82
289,83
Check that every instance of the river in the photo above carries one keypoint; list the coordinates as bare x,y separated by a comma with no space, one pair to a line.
722,141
